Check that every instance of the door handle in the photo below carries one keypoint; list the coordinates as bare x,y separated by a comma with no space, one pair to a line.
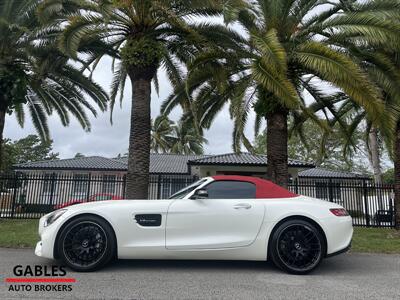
242,206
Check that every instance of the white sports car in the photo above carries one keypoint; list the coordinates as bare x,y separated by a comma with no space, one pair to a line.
216,218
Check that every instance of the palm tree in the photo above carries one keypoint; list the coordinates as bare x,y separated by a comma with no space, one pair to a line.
146,35
288,48
382,63
186,140
161,134
358,120
383,66
181,138
36,76
397,174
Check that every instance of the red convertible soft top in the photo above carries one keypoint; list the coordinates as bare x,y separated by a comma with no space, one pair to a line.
264,188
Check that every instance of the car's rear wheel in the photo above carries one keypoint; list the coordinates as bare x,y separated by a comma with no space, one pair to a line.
297,247
86,243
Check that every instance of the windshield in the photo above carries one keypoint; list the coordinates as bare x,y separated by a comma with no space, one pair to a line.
187,190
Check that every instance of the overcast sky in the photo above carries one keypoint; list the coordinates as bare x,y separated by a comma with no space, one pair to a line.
110,140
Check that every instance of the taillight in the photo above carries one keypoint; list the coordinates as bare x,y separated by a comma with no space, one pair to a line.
339,212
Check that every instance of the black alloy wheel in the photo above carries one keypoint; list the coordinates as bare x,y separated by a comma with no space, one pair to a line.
297,247
87,243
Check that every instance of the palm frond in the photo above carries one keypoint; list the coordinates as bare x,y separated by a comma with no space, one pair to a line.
339,69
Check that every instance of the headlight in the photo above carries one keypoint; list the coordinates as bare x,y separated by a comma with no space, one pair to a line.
53,217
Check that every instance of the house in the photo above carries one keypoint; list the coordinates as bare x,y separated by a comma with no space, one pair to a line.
241,164
164,164
65,179
331,184
321,173
38,187
81,177
344,188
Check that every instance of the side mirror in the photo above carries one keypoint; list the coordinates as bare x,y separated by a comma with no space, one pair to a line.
200,194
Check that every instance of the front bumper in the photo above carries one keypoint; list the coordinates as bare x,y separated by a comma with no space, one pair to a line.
38,249
45,247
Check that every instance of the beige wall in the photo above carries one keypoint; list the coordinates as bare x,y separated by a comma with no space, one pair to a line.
211,170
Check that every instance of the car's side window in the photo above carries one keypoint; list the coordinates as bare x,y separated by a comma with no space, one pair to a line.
231,190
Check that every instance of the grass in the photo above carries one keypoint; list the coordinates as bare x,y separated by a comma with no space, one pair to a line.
376,240
23,234
18,233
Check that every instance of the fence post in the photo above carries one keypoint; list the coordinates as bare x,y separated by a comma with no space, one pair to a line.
296,185
124,186
365,190
330,190
88,189
52,188
159,186
14,195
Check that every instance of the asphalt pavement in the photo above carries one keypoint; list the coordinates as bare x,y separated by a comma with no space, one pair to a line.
348,276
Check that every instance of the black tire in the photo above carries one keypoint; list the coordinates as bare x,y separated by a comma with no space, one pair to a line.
297,247
86,244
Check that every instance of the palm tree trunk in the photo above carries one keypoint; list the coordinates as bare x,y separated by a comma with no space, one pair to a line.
277,152
397,175
373,151
2,122
137,180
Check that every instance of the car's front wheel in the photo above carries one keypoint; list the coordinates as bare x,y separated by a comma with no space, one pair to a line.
86,243
297,247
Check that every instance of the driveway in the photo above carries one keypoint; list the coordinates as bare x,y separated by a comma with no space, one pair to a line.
349,276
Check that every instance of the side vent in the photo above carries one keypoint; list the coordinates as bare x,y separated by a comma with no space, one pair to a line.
148,220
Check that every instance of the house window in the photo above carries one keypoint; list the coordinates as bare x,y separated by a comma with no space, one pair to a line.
48,183
81,184
109,184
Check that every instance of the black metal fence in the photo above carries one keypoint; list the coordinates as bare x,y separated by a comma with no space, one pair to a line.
369,204
30,196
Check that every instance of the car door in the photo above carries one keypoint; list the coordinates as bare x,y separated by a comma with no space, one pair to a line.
229,217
